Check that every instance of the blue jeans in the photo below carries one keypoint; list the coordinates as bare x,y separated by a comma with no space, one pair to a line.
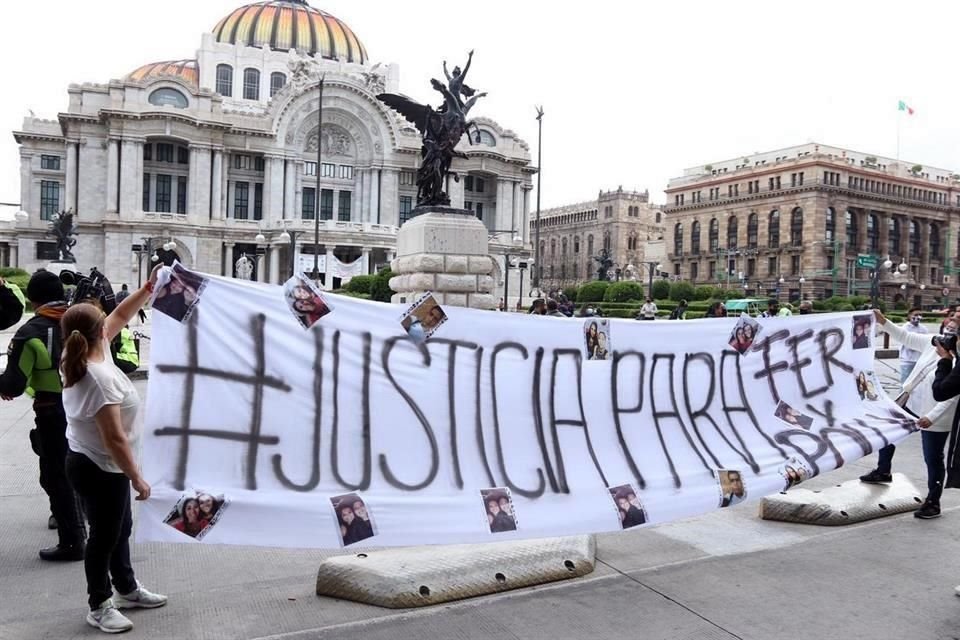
934,443
906,368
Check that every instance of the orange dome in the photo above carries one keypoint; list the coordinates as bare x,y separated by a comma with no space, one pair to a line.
290,24
185,69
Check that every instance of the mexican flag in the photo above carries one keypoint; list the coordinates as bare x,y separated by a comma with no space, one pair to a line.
903,106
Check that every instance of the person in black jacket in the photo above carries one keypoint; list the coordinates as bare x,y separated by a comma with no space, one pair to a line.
946,385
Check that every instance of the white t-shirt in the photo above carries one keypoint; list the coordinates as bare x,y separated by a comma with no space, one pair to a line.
104,384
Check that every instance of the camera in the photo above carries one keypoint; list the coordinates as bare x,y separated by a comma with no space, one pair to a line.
948,342
90,287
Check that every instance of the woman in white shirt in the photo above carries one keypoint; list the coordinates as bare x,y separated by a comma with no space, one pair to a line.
101,406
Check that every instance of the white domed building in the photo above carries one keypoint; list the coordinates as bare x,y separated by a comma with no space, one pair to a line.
216,157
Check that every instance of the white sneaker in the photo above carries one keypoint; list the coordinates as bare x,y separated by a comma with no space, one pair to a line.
108,619
140,598
956,589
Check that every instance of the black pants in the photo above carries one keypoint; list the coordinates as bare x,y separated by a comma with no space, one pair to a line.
50,443
106,499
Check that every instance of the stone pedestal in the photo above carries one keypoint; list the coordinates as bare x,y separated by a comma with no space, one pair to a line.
57,267
444,251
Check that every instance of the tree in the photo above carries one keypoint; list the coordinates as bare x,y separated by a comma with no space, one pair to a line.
380,287
681,291
360,284
660,290
593,291
623,292
704,292
916,169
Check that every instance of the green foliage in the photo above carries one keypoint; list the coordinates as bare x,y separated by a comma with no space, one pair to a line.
618,313
704,292
9,272
592,291
820,305
696,315
623,292
660,290
734,294
360,284
571,293
352,294
380,287
19,280
899,305
681,291
844,306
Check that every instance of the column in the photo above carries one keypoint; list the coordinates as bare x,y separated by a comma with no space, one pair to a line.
275,264
217,184
113,173
365,261
390,197
526,213
227,269
289,189
71,173
363,197
14,257
261,267
883,219
328,277
374,196
193,183
297,166
517,217
391,254
455,191
224,187
131,177
273,189
502,218
923,260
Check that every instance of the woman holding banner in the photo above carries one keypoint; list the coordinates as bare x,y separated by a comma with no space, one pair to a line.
101,406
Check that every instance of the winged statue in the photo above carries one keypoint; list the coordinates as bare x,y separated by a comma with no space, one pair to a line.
63,231
440,130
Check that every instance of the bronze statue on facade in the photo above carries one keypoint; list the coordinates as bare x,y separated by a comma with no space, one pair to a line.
62,229
440,129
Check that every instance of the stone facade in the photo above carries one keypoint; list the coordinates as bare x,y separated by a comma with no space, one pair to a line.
160,156
570,236
765,221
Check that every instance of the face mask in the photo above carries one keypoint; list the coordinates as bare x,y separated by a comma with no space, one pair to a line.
915,320
949,332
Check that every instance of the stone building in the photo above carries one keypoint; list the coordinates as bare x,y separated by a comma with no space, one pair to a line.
217,156
622,222
792,223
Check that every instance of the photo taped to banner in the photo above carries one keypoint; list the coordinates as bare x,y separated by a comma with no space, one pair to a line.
423,317
629,509
732,489
354,520
867,386
196,513
792,417
498,505
596,335
862,325
744,334
793,472
305,300
181,294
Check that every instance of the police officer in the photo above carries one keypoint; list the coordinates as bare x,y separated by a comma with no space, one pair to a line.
125,354
34,360
11,304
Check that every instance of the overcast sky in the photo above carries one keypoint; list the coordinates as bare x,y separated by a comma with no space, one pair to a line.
634,92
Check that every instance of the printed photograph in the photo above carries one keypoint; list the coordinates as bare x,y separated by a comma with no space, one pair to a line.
785,413
861,331
793,472
867,386
195,514
305,301
596,333
498,503
743,334
732,490
629,509
180,295
353,518
423,317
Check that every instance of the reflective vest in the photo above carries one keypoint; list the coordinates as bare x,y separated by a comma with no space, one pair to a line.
128,350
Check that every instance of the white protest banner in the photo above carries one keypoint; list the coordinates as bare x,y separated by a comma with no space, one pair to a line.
340,269
500,426
346,270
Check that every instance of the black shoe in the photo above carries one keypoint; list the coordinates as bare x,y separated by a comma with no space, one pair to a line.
927,511
876,477
51,523
73,553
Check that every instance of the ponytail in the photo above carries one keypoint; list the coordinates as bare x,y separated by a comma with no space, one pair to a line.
82,327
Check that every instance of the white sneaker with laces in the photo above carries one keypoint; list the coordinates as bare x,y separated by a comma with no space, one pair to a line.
108,619
140,598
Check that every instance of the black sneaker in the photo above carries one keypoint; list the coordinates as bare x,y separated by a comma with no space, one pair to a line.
927,511
73,553
877,477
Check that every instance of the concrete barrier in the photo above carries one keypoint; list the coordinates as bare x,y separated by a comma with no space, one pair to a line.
420,576
846,503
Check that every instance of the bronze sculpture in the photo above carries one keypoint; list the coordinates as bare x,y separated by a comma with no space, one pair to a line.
62,229
440,129
604,261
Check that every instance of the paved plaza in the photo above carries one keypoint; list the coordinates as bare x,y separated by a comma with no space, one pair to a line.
727,574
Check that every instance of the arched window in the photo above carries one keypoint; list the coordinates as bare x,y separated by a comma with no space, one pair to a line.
714,235
543,247
576,244
852,228
830,233
563,247
873,233
796,227
590,245
251,84
773,230
695,237
225,80
658,217
277,82
914,239
934,241
893,235
606,241
678,239
732,232
553,247
485,137
752,225
167,96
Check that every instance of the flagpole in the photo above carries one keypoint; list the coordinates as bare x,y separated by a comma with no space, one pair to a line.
899,121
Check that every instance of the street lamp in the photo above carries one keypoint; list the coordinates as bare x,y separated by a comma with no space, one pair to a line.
801,281
535,277
517,243
523,267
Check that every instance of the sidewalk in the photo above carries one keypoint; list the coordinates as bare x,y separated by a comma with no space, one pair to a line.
723,575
